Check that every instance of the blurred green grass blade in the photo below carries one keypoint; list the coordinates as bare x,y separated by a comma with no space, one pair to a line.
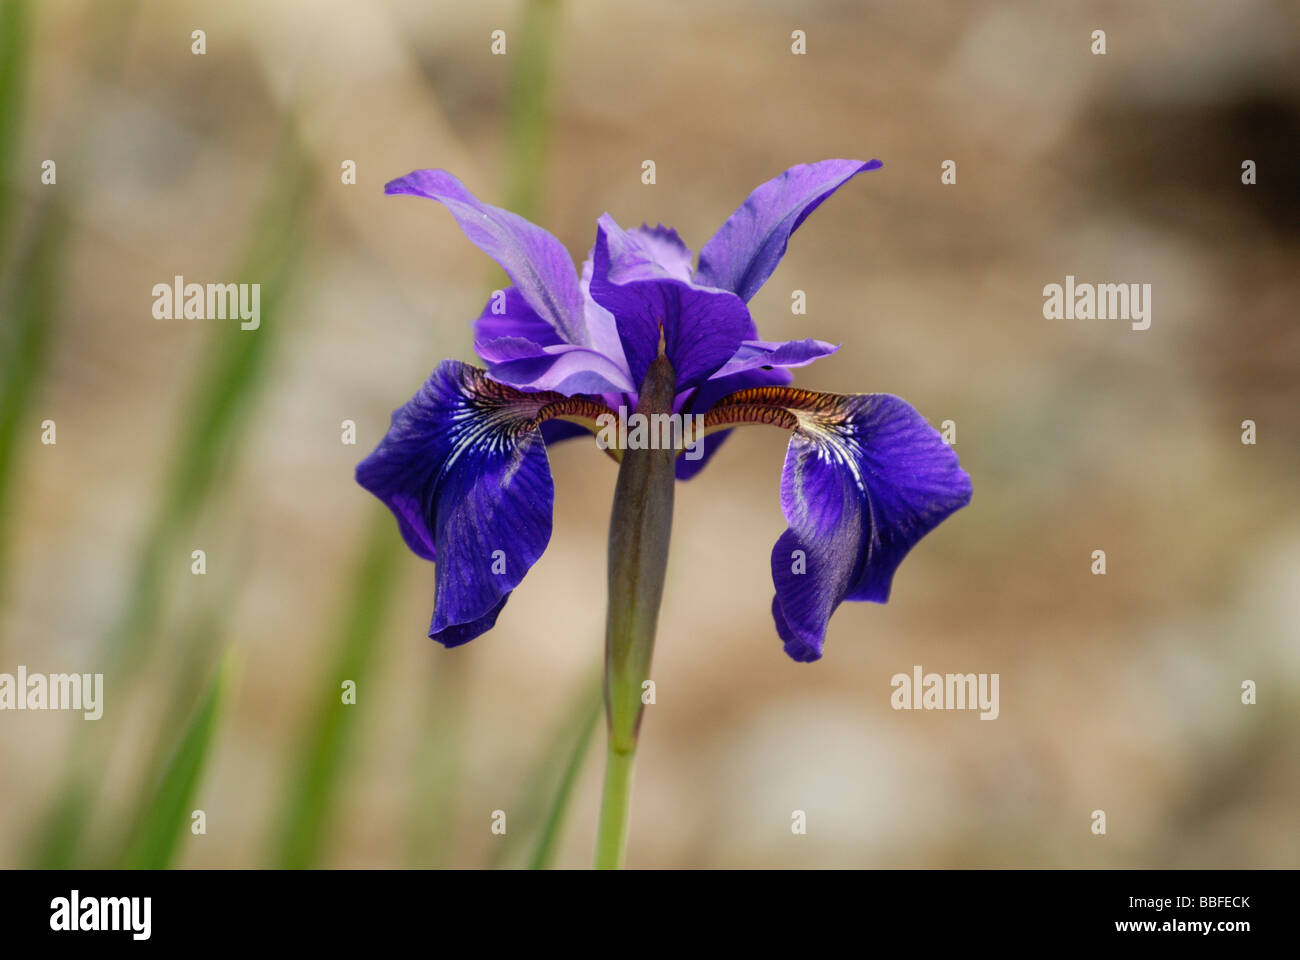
227,387
439,759
199,659
25,341
163,820
29,287
553,825
311,798
14,45
31,290
528,116
543,795
54,843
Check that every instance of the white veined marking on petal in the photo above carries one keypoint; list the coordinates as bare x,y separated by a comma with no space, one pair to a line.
466,409
836,444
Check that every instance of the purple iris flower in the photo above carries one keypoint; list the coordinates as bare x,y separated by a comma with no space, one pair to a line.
464,466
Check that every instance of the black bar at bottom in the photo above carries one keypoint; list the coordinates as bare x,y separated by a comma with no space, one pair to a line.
335,909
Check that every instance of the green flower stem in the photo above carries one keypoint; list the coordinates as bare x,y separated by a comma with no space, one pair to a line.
639,530
611,841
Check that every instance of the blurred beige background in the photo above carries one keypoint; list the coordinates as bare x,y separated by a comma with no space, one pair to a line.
1119,693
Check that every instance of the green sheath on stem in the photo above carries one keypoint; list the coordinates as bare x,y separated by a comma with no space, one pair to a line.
639,529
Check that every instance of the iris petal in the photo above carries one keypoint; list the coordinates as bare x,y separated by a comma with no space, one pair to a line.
535,261
522,350
757,363
464,469
507,316
601,324
865,478
666,248
748,246
707,395
554,431
762,353
702,327
564,367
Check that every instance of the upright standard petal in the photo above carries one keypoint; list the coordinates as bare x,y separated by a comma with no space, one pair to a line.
748,246
665,247
535,261
464,469
865,478
702,328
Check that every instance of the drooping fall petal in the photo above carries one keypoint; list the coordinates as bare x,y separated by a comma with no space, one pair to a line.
865,478
463,467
